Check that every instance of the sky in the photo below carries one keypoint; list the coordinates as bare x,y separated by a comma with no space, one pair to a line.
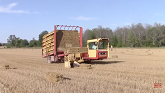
28,18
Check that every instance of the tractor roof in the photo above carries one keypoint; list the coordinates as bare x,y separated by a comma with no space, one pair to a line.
98,39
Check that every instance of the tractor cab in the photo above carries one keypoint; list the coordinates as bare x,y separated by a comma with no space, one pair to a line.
98,48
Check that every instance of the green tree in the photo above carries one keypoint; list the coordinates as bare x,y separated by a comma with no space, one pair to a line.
11,41
17,42
33,43
114,41
86,35
154,35
24,43
40,37
91,35
131,40
119,44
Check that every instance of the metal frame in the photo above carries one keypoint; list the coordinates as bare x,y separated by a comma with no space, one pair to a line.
85,57
64,27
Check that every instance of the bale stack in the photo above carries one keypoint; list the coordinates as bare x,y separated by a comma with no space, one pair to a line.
54,77
67,39
76,50
64,39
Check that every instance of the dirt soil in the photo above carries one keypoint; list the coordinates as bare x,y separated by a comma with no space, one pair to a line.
132,71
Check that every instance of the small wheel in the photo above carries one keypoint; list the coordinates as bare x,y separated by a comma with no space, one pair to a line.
72,64
62,59
89,62
49,60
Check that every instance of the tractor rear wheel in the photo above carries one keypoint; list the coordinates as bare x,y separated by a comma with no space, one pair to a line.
88,61
49,59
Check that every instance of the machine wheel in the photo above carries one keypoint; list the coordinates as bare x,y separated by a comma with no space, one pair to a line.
62,59
49,59
88,62
72,64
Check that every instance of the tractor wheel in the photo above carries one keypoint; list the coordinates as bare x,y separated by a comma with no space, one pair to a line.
49,59
62,59
88,62
72,64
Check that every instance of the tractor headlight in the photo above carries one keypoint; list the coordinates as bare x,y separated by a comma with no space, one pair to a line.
99,53
105,53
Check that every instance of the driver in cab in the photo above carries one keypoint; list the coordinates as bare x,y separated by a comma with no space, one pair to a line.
94,45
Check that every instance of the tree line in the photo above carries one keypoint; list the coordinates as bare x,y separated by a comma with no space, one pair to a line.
134,35
17,42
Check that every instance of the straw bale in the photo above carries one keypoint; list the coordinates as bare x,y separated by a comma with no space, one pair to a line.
54,77
88,66
114,56
5,67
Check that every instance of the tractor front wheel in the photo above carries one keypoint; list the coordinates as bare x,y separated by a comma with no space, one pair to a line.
49,59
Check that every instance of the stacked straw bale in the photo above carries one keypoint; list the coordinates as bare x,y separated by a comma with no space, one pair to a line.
64,39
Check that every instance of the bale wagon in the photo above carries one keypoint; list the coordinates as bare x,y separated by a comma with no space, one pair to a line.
64,44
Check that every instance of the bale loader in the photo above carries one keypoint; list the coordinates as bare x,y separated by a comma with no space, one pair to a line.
64,44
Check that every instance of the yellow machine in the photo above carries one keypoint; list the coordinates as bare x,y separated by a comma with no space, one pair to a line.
97,49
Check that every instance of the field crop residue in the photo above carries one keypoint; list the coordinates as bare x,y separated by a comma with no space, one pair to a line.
127,70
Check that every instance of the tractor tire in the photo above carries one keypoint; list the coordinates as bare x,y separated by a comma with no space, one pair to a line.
49,59
88,62
72,64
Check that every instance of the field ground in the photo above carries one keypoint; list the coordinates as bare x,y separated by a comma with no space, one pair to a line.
134,71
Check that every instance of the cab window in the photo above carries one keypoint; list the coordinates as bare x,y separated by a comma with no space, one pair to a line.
92,45
103,45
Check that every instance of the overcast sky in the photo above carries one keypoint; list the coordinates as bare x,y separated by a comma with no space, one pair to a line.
28,18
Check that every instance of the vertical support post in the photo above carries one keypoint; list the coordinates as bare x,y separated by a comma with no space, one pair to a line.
80,39
108,50
55,40
42,51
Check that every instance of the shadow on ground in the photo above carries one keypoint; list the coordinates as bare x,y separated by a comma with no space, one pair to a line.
65,78
105,62
94,62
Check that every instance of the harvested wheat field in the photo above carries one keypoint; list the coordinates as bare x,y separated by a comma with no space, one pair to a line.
125,71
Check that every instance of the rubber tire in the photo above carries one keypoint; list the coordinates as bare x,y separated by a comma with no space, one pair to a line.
72,64
49,59
89,62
